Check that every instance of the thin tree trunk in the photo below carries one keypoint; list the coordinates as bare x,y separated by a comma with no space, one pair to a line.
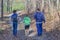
11,3
28,6
2,9
8,6
37,4
57,4
42,4
49,9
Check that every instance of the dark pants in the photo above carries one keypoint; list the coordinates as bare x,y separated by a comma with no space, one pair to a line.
15,28
39,28
27,26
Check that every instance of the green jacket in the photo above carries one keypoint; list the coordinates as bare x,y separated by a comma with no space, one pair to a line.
26,20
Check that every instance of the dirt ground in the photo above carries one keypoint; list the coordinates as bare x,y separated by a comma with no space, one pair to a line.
52,34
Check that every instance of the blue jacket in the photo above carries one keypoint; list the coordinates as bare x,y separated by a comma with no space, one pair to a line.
14,17
39,17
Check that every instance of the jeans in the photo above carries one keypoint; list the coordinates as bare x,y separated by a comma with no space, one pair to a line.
39,28
15,24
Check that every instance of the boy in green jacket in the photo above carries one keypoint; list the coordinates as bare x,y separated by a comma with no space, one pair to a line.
26,22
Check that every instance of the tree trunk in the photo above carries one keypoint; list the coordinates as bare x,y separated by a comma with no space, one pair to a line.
11,3
57,4
28,6
1,9
42,4
8,6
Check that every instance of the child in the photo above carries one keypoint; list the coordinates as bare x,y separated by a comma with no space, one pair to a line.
14,19
26,22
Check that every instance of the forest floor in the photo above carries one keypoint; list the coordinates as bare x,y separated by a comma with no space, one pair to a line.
47,35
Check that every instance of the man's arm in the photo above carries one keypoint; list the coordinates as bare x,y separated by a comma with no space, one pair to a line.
43,18
34,15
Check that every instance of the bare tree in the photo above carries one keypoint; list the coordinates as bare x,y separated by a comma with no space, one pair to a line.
38,4
57,4
2,9
28,6
11,3
42,4
8,5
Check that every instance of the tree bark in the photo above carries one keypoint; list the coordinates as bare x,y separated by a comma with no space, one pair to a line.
57,4
8,6
28,6
2,10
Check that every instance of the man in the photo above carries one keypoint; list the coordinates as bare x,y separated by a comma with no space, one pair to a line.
39,17
14,19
